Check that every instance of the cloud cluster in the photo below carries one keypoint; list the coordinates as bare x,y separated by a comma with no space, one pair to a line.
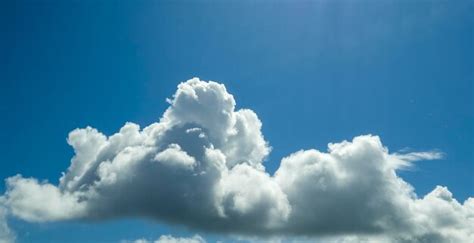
202,166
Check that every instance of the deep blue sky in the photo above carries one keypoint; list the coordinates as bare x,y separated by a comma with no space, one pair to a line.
314,72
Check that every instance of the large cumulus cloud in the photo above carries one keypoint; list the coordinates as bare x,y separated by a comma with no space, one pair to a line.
202,166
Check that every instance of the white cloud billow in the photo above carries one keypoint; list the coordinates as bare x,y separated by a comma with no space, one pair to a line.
202,166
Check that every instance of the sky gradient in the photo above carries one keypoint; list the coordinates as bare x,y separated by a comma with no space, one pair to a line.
314,73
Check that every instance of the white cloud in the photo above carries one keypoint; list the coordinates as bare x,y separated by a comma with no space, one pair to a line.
174,156
35,201
6,234
172,239
349,189
202,166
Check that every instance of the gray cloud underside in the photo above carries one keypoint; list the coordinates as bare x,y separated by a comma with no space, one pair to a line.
202,166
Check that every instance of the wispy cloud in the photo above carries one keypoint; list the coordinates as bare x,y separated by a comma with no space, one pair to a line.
171,239
6,234
415,156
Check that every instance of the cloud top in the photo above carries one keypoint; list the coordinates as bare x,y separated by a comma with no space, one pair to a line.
202,166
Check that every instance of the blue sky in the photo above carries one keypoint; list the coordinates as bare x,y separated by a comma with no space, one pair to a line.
314,73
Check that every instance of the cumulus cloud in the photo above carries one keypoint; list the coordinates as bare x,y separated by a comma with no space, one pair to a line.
201,165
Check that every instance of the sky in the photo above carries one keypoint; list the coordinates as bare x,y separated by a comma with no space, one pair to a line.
314,72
